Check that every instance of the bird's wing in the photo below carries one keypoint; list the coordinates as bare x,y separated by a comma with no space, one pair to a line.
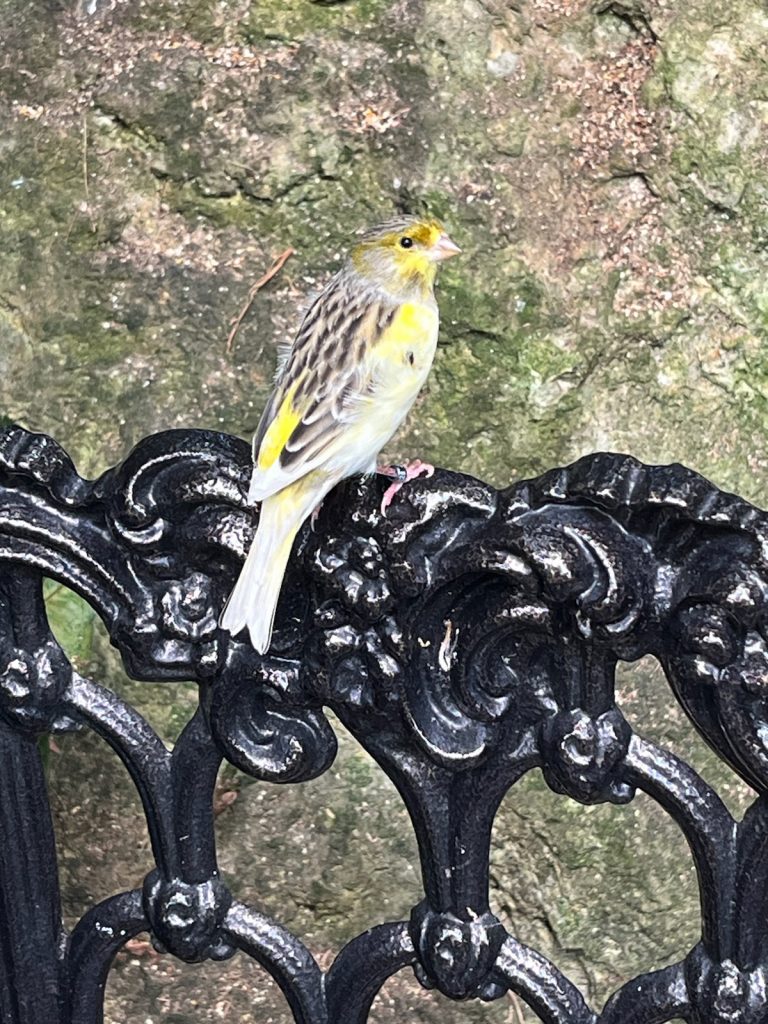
320,386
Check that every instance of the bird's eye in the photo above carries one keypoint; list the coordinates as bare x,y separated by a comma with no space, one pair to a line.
406,243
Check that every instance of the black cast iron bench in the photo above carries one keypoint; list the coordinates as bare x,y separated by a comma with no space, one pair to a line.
469,637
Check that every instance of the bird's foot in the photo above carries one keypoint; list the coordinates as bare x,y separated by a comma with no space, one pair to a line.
313,515
402,474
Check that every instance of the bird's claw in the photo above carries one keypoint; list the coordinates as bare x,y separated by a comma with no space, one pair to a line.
313,516
402,474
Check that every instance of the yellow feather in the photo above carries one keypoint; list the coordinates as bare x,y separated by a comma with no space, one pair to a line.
384,260
392,266
280,429
412,331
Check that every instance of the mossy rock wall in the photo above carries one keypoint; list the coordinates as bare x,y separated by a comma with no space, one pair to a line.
604,166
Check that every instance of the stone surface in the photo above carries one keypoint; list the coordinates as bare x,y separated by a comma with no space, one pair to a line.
603,165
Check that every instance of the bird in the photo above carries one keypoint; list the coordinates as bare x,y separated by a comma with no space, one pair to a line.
344,385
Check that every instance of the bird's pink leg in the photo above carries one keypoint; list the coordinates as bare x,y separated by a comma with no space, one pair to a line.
313,516
402,474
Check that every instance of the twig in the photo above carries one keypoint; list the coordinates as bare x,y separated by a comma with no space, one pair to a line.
516,1008
257,286
85,172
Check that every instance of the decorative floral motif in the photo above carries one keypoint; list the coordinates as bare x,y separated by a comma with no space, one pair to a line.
467,638
458,954
722,993
187,918
583,756
32,687
187,611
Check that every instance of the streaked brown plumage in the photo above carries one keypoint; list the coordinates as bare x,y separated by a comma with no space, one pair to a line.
359,358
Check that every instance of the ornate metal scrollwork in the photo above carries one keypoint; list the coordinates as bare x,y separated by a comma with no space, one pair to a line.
470,636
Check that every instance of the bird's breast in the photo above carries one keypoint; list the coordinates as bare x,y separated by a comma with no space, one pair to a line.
405,351
399,363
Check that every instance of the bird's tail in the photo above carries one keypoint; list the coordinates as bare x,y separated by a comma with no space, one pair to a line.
253,601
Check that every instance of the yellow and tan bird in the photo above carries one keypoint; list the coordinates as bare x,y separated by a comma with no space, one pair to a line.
356,365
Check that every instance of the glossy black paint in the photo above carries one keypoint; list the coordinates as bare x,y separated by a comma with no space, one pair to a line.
468,637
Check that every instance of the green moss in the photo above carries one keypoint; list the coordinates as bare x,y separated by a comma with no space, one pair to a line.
222,211
71,620
714,73
208,21
166,706
116,298
290,20
494,294
46,194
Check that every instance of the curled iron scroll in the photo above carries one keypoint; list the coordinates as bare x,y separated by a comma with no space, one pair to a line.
470,636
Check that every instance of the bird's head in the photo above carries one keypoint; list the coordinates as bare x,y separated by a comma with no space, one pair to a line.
402,255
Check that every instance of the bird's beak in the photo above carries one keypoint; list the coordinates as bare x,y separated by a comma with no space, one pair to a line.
444,248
